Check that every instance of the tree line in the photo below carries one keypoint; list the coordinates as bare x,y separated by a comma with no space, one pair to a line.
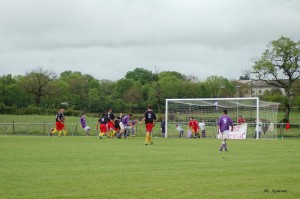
44,89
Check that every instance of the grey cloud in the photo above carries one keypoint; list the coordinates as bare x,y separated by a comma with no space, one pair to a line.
186,36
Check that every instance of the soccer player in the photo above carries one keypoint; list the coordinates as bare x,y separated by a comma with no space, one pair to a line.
223,127
53,131
193,124
103,121
116,127
180,130
60,126
241,120
163,127
149,118
130,128
258,129
123,123
202,128
85,127
111,122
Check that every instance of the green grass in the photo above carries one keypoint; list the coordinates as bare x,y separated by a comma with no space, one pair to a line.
85,167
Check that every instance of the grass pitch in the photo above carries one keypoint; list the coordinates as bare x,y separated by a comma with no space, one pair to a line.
86,167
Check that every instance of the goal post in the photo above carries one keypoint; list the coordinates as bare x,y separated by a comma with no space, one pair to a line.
260,116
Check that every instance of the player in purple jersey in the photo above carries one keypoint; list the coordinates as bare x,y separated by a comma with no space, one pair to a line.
85,127
223,127
123,123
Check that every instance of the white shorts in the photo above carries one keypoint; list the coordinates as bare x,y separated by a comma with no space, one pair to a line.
122,126
87,128
224,134
129,128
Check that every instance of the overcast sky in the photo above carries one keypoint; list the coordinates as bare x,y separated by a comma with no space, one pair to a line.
108,38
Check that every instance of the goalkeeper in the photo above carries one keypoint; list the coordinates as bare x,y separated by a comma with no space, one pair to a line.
193,124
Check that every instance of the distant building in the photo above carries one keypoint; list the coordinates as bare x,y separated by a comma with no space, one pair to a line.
257,88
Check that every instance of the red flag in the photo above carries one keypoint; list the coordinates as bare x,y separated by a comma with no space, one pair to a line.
287,126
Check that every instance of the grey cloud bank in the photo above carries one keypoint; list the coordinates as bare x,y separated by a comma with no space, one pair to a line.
109,38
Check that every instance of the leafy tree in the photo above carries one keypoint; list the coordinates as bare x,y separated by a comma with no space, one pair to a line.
191,89
246,75
218,85
142,75
274,95
279,66
297,101
10,93
79,91
172,73
78,88
59,92
106,87
168,85
37,82
15,96
94,102
68,74
132,97
122,86
156,95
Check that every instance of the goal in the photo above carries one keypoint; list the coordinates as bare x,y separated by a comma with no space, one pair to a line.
260,116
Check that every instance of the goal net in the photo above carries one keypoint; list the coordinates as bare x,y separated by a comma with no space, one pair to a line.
260,117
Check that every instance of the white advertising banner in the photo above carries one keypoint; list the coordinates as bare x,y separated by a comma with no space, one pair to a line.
239,132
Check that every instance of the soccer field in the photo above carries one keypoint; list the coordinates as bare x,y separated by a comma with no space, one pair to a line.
86,167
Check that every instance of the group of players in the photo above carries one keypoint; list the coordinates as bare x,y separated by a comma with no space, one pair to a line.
109,125
112,126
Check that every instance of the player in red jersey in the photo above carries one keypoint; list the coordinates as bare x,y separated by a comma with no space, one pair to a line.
193,124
